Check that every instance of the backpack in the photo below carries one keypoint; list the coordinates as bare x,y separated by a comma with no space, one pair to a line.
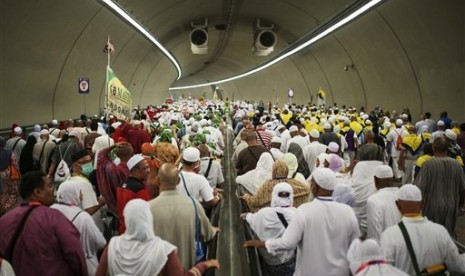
399,141
62,172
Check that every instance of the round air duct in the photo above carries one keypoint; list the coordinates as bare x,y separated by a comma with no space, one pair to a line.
199,37
265,39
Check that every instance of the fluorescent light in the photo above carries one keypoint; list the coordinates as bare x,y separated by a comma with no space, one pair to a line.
311,41
141,29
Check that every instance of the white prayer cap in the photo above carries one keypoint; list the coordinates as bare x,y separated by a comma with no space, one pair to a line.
44,132
404,116
345,194
325,178
185,122
399,122
73,133
365,116
191,154
17,130
368,122
276,139
36,128
441,123
134,160
293,128
383,171
327,126
203,122
54,122
361,252
333,147
409,192
424,129
337,129
387,125
451,134
314,133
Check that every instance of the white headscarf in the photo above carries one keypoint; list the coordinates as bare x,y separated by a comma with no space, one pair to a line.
253,179
277,201
291,162
344,194
138,251
68,197
360,253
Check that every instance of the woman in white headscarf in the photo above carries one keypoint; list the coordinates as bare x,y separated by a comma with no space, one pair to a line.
366,258
139,252
292,165
69,198
270,223
253,179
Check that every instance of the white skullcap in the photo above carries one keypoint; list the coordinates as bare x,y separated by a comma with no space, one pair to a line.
293,128
134,160
191,154
17,130
404,116
44,132
387,125
383,171
203,122
399,122
314,133
333,146
424,129
409,192
54,122
451,134
365,116
276,139
441,123
325,178
73,133
368,122
327,126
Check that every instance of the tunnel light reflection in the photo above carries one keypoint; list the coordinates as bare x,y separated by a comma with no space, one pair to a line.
277,59
141,29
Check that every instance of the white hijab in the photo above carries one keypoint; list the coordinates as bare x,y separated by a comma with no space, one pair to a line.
292,165
138,251
360,253
253,179
68,197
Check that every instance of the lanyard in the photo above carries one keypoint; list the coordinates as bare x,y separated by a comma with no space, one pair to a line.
67,204
365,265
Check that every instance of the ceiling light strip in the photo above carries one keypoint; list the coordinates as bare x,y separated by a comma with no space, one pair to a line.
114,7
309,42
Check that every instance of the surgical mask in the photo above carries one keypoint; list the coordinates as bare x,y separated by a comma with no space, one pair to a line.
86,169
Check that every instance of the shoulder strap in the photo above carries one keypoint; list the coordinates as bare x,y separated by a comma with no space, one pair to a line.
251,152
197,222
184,183
76,216
294,174
408,242
11,246
282,219
66,151
14,145
259,136
209,167
42,151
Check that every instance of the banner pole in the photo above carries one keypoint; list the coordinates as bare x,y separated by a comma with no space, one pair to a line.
107,112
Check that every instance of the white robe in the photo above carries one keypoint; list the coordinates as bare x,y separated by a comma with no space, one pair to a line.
322,232
382,212
311,153
431,243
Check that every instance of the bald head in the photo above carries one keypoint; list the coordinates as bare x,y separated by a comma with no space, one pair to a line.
369,136
168,175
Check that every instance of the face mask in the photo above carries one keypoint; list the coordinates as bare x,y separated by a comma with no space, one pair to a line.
86,169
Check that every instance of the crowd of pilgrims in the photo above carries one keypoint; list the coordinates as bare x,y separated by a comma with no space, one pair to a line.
328,190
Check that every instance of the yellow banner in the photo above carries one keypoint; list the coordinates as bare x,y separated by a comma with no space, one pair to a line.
119,97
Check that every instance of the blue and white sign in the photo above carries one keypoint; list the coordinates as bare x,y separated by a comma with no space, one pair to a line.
84,85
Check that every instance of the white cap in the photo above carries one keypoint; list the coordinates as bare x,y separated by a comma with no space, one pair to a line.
399,122
325,178
191,154
333,146
368,122
54,122
314,133
387,125
134,160
327,126
361,252
409,192
74,133
383,171
293,128
17,130
44,132
404,116
441,123
276,139
451,134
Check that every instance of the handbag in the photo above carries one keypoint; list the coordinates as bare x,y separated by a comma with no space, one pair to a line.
199,252
437,269
14,172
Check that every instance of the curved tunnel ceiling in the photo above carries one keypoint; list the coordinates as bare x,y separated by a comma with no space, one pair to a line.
400,54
